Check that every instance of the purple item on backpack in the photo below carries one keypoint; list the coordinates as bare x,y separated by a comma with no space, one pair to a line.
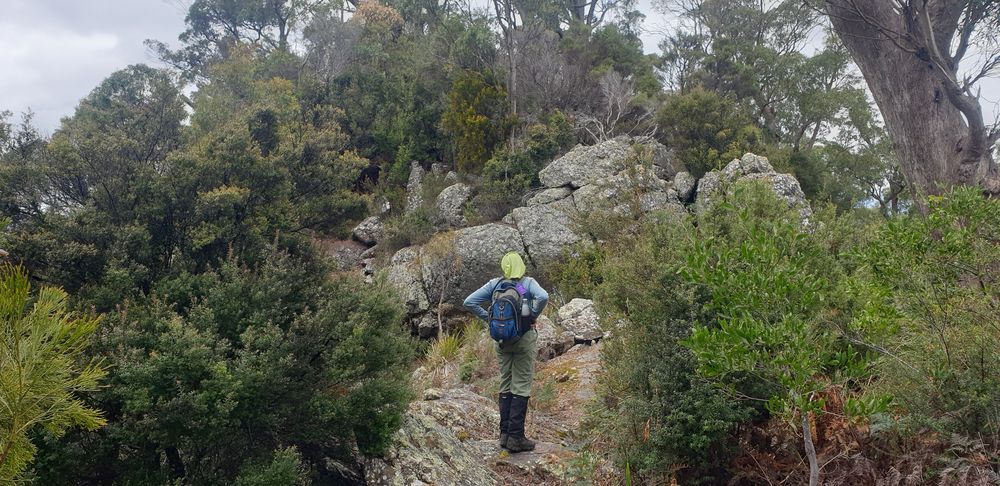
520,289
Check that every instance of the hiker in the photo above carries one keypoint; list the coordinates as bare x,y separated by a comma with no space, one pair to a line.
516,342
368,177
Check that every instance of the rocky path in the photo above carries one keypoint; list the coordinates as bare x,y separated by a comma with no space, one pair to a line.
555,422
449,438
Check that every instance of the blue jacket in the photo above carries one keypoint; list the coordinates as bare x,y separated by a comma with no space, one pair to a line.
536,295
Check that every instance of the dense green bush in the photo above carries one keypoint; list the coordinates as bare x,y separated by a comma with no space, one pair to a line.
659,414
276,356
742,301
706,129
935,279
476,120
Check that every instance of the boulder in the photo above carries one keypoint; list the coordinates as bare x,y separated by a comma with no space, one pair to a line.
751,167
549,196
684,184
451,177
414,187
466,259
404,273
431,447
439,169
579,317
427,326
347,254
546,231
627,191
586,164
552,341
451,204
370,231
665,164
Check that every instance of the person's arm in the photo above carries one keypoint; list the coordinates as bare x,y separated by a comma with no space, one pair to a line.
539,297
474,302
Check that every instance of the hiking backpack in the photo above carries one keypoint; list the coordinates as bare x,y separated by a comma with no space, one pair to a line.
506,323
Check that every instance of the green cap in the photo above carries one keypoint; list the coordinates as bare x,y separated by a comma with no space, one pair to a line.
512,265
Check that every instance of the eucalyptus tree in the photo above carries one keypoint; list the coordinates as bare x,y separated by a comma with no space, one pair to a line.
924,62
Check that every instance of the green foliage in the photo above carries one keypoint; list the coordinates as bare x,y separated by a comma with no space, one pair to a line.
285,468
657,411
512,171
934,280
580,276
408,229
707,130
476,119
274,355
43,369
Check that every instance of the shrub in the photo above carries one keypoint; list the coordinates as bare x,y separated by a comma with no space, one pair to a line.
476,119
511,172
267,354
658,413
935,279
706,129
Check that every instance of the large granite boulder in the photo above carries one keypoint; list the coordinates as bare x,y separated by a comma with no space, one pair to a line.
637,189
404,273
586,164
433,446
455,264
579,317
451,204
549,196
751,167
369,231
546,231
414,187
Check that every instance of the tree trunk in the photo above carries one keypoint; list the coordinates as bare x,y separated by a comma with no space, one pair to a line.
931,136
810,450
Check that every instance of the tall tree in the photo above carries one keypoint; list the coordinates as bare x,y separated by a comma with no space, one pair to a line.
214,26
911,53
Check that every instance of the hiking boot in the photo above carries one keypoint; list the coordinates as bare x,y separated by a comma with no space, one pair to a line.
505,399
516,441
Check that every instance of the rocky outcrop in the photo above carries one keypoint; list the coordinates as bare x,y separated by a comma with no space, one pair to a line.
750,168
684,184
579,317
586,164
546,231
434,445
636,189
414,189
451,204
370,230
405,275
632,177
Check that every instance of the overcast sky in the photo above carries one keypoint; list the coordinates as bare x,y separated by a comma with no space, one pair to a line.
54,52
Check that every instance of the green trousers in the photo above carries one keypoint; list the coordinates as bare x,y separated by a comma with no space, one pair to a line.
517,364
